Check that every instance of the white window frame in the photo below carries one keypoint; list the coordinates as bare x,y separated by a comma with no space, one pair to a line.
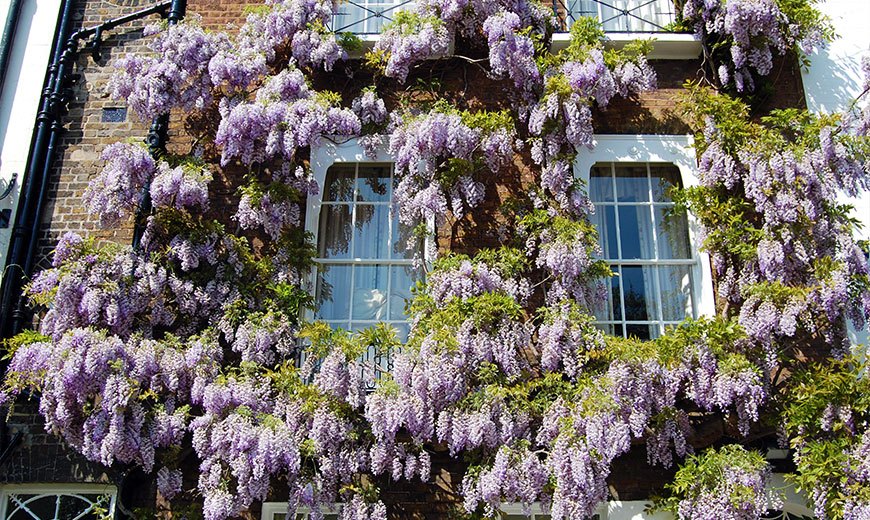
348,151
57,489
271,509
674,149
330,152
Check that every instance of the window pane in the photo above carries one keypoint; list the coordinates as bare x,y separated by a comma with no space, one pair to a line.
618,331
402,331
335,232
632,184
663,178
611,329
673,234
604,220
610,309
333,292
373,184
601,183
401,236
402,281
638,287
339,183
370,292
644,332
71,507
676,289
635,232
372,231
42,507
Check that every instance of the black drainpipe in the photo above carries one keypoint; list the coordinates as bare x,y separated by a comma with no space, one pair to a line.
49,126
8,38
156,140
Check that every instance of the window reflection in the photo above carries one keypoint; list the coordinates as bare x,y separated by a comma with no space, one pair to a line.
647,246
365,269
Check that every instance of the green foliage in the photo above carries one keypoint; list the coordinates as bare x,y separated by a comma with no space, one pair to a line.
821,408
509,261
586,34
327,98
806,20
704,472
256,9
698,104
376,60
24,338
485,120
323,339
840,383
15,382
724,337
407,22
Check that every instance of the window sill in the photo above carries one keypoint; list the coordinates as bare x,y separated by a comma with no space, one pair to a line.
666,46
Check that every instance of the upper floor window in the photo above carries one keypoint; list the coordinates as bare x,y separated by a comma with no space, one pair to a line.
40,502
647,247
618,15
366,272
366,16
369,16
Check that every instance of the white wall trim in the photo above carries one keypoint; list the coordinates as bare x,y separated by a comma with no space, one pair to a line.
330,152
19,100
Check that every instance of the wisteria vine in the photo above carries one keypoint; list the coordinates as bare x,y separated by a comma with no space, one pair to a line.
199,334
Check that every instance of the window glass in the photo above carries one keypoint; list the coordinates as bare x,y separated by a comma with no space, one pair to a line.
635,232
366,16
601,184
365,273
57,505
372,231
339,185
672,232
335,231
373,184
333,292
647,246
632,184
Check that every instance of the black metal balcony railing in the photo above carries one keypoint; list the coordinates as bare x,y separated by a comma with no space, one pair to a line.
369,16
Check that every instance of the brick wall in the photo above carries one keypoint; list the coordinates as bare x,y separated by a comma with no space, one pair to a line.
86,135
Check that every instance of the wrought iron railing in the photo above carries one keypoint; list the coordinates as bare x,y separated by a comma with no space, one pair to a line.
373,366
617,15
366,16
369,16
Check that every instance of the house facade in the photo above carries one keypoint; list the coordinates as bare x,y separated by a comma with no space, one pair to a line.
362,274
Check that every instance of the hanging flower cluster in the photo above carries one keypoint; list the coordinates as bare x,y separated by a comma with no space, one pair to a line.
787,253
285,116
750,31
198,333
438,156
729,483
176,77
114,194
